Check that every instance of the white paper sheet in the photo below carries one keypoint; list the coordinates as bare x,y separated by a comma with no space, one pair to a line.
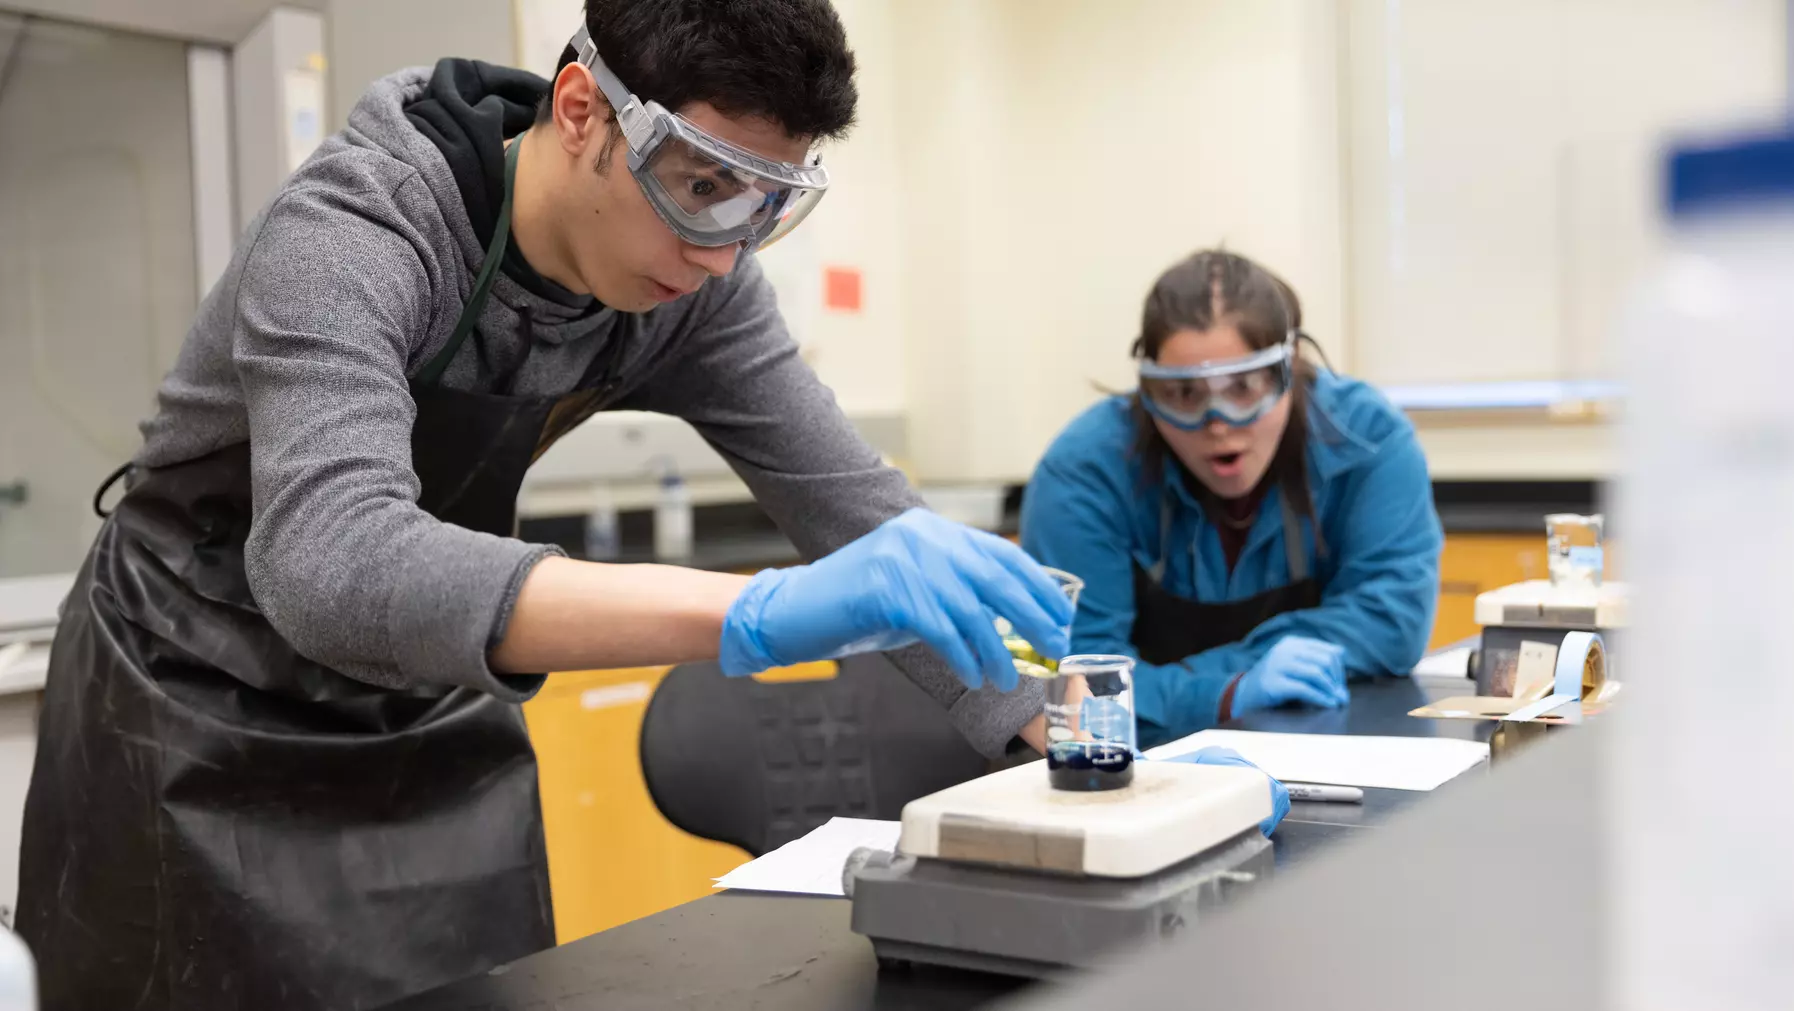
1446,663
1392,763
812,865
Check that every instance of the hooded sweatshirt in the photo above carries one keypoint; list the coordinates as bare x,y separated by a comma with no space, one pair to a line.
348,283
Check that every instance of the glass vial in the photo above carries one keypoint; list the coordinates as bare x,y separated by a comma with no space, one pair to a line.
1090,723
1573,546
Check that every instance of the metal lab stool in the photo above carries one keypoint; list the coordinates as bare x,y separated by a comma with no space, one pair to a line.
760,764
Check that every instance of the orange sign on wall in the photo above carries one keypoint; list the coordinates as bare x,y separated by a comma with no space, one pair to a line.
841,288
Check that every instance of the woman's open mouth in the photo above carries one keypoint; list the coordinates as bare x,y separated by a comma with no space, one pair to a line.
1226,464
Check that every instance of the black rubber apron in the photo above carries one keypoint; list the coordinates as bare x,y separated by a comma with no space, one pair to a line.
216,822
1169,628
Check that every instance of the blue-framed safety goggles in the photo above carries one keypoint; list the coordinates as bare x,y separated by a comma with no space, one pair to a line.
1237,391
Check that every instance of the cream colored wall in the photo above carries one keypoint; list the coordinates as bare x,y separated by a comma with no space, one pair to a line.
1499,215
1503,200
1020,172
1057,155
858,354
542,30
1023,169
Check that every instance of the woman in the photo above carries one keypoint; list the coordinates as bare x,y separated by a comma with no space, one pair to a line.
1251,527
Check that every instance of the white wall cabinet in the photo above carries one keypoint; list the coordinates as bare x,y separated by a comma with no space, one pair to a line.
1503,168
97,271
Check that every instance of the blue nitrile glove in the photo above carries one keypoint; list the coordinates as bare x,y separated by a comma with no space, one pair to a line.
917,578
1228,756
1295,670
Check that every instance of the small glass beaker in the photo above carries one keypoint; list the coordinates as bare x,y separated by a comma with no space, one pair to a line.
1027,659
1573,549
1090,726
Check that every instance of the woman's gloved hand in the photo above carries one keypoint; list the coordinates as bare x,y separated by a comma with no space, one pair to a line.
917,578
1295,670
1228,756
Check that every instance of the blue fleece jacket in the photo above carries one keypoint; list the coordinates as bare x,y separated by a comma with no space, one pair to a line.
1088,510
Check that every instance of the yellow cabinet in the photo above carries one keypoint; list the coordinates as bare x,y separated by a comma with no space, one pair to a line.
612,858
1477,563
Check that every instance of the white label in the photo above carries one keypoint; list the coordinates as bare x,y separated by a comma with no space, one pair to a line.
1537,672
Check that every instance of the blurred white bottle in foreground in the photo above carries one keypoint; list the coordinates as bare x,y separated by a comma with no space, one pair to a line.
1702,911
18,977
672,518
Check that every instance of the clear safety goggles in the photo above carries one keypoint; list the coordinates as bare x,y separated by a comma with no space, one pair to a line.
1237,391
707,190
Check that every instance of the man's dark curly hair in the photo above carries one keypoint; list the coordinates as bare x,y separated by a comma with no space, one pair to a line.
783,60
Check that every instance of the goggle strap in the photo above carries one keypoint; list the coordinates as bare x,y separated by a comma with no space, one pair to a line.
637,125
1267,358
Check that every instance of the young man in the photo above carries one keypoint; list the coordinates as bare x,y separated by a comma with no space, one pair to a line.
281,763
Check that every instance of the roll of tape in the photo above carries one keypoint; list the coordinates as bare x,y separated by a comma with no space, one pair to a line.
1590,651
1580,672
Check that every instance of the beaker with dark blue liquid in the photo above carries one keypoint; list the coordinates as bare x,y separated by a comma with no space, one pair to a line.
1090,723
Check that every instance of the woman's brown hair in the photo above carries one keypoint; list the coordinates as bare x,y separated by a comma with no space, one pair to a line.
1213,287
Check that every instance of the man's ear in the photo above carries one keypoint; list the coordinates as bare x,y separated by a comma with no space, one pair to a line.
582,117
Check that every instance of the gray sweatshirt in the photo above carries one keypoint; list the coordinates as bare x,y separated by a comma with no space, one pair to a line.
348,283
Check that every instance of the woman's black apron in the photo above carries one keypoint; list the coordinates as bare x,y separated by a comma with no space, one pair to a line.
1168,627
216,822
